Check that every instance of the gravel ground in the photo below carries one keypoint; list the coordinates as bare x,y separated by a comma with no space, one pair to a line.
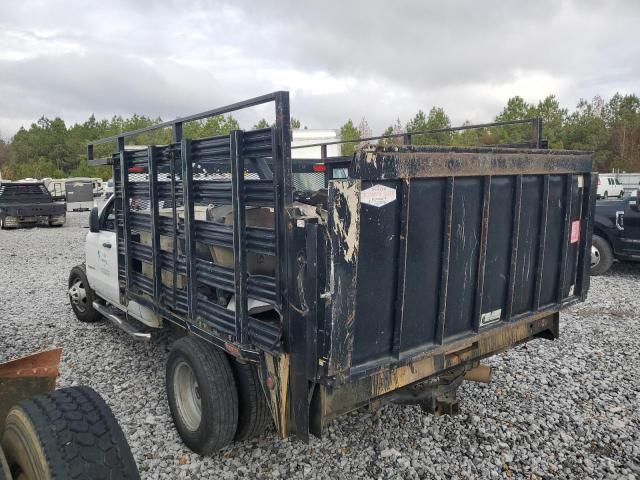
563,409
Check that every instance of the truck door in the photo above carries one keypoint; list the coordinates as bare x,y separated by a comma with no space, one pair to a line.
101,250
630,235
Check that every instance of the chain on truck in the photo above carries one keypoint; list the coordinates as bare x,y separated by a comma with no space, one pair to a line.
390,281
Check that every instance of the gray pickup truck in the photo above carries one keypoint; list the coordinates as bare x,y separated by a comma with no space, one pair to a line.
29,203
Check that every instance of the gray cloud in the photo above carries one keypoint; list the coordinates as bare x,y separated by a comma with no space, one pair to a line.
339,59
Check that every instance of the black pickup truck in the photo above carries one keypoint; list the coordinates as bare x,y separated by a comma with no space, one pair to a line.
616,233
29,203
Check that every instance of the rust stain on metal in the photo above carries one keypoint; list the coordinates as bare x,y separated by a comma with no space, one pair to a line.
458,353
43,364
278,369
416,162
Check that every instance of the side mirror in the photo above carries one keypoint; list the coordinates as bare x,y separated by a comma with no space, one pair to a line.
94,220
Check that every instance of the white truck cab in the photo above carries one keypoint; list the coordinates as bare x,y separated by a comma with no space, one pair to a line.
102,273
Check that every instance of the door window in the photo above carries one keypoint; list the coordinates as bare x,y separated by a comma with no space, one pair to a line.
108,218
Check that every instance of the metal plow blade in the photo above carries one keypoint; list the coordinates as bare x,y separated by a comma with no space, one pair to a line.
27,376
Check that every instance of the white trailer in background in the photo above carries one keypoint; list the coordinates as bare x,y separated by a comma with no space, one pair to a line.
313,180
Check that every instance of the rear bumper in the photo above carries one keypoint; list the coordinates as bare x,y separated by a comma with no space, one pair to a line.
16,221
330,402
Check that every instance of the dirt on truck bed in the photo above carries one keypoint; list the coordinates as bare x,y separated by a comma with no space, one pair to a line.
563,409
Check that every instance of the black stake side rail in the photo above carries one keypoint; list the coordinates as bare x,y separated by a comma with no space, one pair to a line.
164,176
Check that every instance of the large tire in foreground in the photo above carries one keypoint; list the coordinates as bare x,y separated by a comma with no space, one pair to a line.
81,296
202,395
5,474
254,415
601,255
66,434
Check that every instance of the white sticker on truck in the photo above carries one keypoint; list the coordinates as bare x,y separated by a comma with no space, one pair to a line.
378,195
490,317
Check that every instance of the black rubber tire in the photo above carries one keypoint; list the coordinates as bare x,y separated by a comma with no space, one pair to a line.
254,415
2,223
606,255
89,314
605,195
621,196
67,434
5,474
218,395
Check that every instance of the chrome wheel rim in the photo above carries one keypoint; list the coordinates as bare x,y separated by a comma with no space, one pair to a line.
187,393
78,295
595,256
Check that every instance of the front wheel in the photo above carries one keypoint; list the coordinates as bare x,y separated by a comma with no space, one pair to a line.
601,255
606,195
81,296
202,394
621,196
68,433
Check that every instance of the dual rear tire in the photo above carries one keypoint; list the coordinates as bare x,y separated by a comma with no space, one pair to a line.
213,399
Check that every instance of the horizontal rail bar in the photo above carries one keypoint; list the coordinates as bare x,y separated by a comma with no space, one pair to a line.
252,102
424,132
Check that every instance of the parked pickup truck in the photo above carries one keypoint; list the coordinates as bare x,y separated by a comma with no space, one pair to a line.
616,233
29,203
389,285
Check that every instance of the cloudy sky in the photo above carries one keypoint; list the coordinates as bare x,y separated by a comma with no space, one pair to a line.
339,59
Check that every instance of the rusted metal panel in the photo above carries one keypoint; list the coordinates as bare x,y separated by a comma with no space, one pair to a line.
330,402
344,232
393,162
25,377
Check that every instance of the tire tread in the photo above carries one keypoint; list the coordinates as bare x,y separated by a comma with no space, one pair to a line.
79,435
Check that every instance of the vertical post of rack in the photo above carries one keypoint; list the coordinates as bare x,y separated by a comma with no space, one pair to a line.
189,224
152,169
126,231
239,236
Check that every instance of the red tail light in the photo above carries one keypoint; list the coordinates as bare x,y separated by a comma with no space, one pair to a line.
319,167
137,169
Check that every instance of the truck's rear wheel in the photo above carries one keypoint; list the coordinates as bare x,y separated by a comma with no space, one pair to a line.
81,296
254,415
601,255
69,433
202,395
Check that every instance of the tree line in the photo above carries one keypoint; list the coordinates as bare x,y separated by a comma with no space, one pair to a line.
610,129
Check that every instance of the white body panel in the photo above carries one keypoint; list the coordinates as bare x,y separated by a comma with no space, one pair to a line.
609,186
310,137
102,272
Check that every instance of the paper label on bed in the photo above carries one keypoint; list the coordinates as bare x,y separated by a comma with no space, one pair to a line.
378,195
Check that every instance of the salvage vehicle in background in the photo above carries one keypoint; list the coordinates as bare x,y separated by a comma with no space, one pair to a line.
48,434
29,203
609,186
616,233
391,283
